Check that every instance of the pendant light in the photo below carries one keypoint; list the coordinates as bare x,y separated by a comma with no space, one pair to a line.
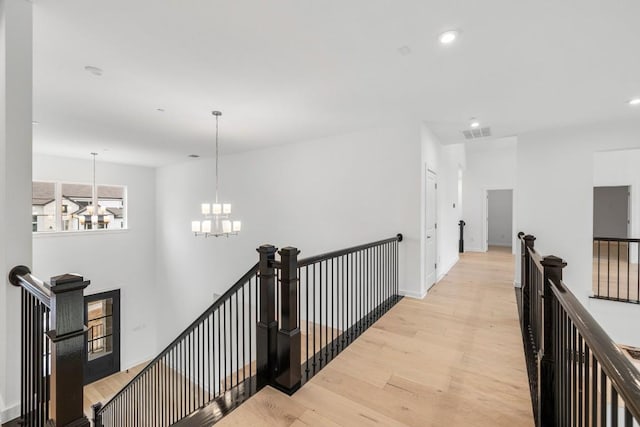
217,220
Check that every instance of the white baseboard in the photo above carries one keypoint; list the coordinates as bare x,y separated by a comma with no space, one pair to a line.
442,272
411,294
473,249
516,284
9,413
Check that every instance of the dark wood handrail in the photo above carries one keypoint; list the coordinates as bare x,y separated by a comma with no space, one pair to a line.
217,303
622,373
616,239
323,257
21,276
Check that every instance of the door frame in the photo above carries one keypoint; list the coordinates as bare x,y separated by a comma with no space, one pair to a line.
485,218
425,288
116,329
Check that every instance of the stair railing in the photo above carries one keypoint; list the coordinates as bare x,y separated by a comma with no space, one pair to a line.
251,336
578,375
616,269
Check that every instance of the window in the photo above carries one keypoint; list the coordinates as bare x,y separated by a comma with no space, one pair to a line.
69,207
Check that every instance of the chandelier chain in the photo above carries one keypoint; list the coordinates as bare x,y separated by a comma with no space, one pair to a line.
217,177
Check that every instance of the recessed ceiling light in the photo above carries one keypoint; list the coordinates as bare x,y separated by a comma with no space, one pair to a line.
474,124
193,156
448,37
634,101
161,110
35,123
93,70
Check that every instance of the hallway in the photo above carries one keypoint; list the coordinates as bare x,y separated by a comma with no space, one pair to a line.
454,358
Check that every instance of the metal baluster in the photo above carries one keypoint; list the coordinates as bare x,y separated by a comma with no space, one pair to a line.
580,395
314,318
306,285
594,391
333,303
587,386
614,406
603,398
237,343
628,418
628,270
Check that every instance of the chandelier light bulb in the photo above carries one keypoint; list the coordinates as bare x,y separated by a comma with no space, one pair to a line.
217,208
226,208
237,226
226,226
206,226
206,209
195,226
94,219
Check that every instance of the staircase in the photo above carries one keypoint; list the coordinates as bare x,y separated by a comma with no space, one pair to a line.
282,322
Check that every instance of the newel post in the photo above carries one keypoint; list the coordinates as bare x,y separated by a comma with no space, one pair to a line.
546,388
267,328
527,242
289,368
67,337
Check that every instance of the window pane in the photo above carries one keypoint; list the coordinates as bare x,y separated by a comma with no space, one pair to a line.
100,325
111,202
43,206
75,199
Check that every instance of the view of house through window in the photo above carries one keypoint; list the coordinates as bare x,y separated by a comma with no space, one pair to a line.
100,328
69,207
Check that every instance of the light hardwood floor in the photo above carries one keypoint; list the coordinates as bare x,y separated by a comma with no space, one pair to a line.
452,359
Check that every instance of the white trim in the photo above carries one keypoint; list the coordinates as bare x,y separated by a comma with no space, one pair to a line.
10,413
45,234
411,294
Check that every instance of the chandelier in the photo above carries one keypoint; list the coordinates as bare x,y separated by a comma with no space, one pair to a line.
217,220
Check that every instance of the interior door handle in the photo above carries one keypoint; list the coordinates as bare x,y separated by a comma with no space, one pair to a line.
428,237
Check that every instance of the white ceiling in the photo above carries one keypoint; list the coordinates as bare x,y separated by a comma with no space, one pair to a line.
284,71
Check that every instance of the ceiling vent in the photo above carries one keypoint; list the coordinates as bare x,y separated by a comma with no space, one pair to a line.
477,133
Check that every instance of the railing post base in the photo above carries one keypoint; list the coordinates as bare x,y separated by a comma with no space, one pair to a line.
289,367
547,375
267,327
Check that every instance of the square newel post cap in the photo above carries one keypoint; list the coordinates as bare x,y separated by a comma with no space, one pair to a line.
267,249
289,251
68,282
552,261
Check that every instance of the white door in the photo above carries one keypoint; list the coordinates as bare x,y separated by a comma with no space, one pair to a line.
430,229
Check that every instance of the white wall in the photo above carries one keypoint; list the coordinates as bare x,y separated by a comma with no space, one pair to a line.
491,165
15,186
555,172
446,161
115,259
318,196
500,217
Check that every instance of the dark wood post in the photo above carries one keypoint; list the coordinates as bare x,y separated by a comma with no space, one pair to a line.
527,243
267,328
289,368
546,387
97,417
67,337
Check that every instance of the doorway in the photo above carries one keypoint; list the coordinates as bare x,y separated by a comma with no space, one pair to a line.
499,213
431,217
611,211
102,352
